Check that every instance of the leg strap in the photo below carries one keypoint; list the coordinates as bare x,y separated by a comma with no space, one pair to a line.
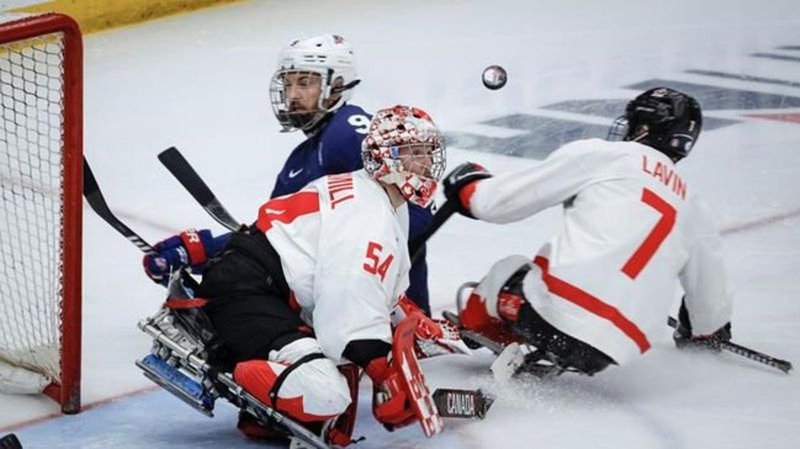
273,392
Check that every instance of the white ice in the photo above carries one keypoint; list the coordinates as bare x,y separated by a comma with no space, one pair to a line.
199,81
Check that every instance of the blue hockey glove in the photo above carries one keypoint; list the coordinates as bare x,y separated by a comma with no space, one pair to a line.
190,248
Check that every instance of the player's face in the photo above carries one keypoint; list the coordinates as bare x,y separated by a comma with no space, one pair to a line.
302,91
417,158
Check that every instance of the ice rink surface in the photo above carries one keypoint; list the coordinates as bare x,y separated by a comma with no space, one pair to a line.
200,81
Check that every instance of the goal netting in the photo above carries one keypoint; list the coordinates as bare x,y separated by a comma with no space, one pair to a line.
40,206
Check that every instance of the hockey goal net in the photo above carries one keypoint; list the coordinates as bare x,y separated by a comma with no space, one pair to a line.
41,67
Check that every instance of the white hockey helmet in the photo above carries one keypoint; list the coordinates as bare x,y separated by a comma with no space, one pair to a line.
404,147
328,55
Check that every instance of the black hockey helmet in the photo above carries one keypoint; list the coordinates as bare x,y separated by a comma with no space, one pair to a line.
661,118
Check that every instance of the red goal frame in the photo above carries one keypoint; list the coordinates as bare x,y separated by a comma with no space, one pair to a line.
67,392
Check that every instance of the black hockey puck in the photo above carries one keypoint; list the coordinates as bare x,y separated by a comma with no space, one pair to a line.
494,77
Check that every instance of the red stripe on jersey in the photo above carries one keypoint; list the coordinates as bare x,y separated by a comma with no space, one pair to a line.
592,304
194,246
465,194
286,208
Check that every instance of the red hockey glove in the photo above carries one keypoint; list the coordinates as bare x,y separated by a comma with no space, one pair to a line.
185,249
390,404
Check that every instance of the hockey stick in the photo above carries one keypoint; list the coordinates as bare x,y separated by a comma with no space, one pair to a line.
174,161
95,198
454,403
783,365
439,218
10,441
444,402
183,171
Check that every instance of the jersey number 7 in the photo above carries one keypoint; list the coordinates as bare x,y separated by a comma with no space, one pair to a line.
657,235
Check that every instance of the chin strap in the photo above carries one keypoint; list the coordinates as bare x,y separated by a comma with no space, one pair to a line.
348,86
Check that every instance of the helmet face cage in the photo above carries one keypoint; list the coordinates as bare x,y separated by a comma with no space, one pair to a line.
618,129
327,57
281,107
661,118
405,148
426,159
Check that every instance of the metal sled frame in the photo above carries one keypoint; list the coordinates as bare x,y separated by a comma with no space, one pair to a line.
532,361
176,345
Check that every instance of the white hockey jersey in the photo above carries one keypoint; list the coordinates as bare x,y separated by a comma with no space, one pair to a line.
631,230
344,254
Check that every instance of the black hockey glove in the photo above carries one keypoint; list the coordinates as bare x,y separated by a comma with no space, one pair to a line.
459,179
684,339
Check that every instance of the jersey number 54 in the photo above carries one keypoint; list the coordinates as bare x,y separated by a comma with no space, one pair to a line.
373,265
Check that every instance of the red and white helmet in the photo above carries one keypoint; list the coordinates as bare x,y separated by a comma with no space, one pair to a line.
403,147
328,55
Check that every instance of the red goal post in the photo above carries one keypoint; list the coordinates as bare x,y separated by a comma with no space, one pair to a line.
41,152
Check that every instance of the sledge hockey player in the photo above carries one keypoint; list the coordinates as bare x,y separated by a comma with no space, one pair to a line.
309,92
311,284
599,291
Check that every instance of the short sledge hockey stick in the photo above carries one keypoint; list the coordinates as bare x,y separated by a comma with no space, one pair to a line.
95,198
752,354
174,161
452,403
183,171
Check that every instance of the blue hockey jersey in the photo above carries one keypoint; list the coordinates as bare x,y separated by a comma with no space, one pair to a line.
336,148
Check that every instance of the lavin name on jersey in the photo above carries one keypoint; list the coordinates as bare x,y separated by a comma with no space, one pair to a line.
666,174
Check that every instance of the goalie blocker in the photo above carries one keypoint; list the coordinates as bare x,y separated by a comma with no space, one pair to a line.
413,382
179,341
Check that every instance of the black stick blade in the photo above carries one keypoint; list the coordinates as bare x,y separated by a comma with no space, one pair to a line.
180,168
174,161
743,351
10,441
453,403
